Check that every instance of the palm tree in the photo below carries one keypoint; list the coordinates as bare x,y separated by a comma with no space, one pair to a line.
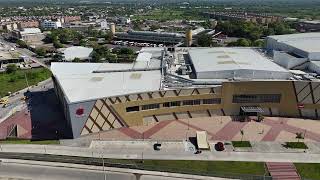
299,136
242,133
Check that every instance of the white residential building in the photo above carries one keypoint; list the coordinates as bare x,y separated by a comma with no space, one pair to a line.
51,24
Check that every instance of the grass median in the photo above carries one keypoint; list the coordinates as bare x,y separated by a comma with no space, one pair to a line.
241,144
16,81
26,141
308,170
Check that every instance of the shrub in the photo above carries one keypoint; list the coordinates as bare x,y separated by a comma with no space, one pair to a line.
295,145
11,68
241,144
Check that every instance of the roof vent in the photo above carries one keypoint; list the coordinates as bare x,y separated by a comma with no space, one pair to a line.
135,76
95,79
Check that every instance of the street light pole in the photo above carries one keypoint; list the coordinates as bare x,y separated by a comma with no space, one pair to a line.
104,172
25,76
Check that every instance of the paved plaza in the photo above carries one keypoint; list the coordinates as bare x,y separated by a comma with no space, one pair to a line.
219,128
41,118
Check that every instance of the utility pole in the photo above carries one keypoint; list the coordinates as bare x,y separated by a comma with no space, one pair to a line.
25,76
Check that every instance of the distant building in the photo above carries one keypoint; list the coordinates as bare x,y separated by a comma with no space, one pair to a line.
296,51
28,35
244,16
124,20
149,36
68,19
28,24
10,26
158,37
51,24
104,24
7,57
83,53
309,26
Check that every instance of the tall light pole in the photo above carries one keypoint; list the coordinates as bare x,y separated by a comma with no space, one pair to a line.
25,76
104,172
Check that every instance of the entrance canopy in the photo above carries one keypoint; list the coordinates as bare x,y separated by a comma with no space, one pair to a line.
202,140
251,109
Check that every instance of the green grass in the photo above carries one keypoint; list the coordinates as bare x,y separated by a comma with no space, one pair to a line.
308,171
241,144
202,167
296,145
254,168
169,14
26,141
16,81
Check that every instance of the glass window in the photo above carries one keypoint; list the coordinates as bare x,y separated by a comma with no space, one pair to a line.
187,102
257,98
212,101
150,106
191,102
132,109
170,104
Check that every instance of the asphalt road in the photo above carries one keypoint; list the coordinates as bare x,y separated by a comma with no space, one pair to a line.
36,172
15,171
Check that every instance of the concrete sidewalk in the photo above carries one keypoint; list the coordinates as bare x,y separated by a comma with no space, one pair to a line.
169,153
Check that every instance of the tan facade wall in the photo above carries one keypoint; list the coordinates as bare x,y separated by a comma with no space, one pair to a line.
293,95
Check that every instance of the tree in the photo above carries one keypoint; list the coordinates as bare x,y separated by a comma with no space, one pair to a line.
22,43
259,43
242,134
57,44
76,59
241,42
244,42
204,40
126,51
112,58
108,36
41,51
155,27
57,57
96,57
299,136
11,68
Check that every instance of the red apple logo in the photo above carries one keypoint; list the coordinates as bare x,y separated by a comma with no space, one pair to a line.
80,111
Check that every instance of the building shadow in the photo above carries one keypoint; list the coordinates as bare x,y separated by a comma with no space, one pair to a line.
47,118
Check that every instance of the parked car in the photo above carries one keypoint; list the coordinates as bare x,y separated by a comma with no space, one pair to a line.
157,146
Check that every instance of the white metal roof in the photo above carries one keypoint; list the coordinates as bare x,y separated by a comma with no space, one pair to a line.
80,84
77,52
30,31
308,42
223,59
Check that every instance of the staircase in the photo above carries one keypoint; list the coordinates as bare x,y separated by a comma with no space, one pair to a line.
283,171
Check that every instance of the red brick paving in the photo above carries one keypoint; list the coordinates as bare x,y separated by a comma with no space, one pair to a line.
308,134
230,130
276,128
20,118
195,127
156,128
283,171
131,133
